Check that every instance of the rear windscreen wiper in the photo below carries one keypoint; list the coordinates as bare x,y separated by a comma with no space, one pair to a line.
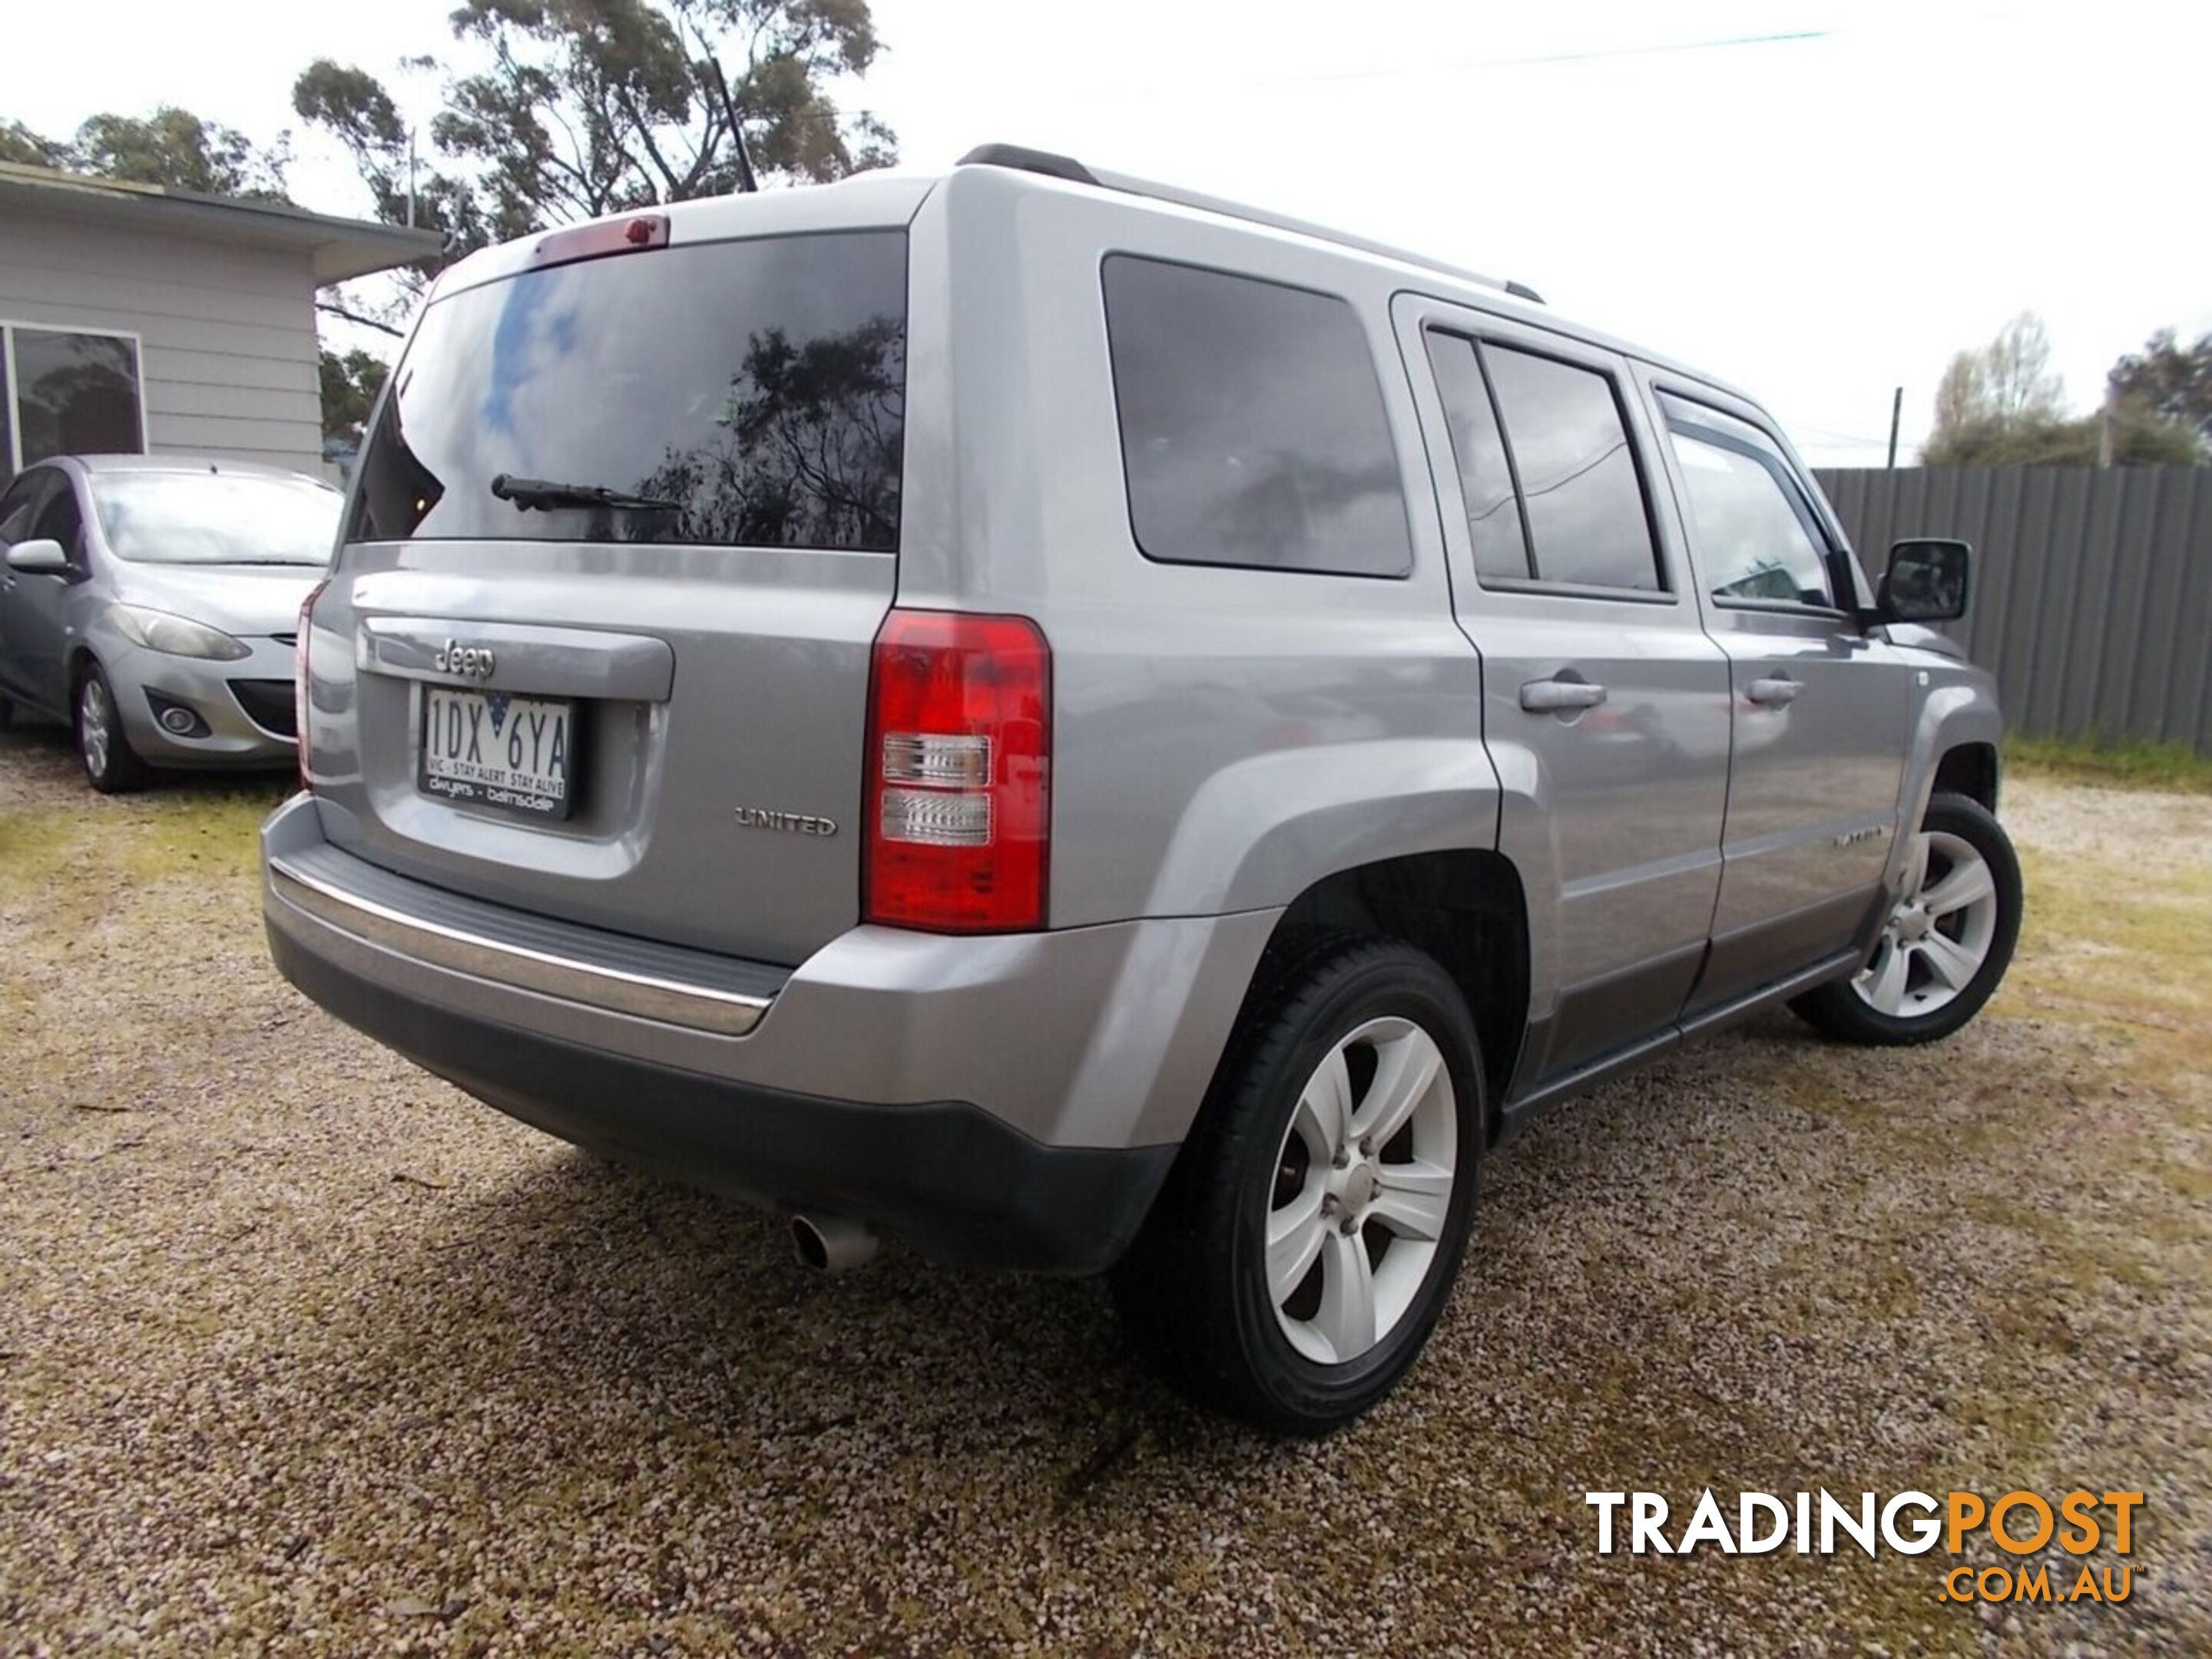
527,493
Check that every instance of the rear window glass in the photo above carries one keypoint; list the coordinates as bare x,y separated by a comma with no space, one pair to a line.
1252,424
747,394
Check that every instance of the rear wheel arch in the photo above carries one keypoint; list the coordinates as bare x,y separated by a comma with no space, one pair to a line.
1465,908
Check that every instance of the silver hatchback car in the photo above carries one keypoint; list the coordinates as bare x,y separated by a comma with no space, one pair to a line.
1100,730
151,601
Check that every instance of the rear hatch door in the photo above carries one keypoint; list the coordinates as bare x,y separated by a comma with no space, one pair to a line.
596,641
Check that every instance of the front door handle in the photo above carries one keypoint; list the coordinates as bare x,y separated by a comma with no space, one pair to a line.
1775,693
1553,696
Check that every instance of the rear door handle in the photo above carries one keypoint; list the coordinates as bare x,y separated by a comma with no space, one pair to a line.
1552,696
1776,693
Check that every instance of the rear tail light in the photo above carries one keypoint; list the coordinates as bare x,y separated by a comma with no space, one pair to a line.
959,763
300,697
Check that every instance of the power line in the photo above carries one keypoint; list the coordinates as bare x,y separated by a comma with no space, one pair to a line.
1568,478
1659,50
1592,55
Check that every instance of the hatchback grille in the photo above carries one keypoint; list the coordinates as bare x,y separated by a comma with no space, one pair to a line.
267,703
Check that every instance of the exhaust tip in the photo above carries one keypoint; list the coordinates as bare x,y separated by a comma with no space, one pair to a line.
806,1239
829,1245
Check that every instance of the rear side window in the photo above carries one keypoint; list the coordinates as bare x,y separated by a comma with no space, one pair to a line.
747,394
1485,475
1587,522
1253,432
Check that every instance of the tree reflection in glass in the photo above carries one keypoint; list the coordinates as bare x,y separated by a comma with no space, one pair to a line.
808,447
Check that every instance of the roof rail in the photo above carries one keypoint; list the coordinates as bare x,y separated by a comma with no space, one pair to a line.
1025,159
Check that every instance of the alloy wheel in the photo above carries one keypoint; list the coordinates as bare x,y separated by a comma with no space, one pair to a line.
93,725
1939,934
1363,1185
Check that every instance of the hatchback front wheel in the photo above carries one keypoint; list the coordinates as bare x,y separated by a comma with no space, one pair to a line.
110,764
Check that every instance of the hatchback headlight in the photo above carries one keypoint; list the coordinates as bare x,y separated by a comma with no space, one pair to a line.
179,637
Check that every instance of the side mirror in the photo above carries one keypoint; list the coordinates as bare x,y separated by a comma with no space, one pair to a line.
41,556
1926,581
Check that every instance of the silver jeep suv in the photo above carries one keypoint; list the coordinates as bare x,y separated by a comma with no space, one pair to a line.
1094,729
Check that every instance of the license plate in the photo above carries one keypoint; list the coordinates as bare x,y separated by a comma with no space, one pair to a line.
489,748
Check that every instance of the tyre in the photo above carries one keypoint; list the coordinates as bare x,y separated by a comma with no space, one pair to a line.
1306,1241
111,765
6,714
1947,943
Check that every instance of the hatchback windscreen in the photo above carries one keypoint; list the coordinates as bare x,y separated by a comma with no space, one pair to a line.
215,518
747,394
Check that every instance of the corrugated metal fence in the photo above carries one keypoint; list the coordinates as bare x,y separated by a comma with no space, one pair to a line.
2092,596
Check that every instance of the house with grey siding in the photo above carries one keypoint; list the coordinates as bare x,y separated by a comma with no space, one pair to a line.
136,319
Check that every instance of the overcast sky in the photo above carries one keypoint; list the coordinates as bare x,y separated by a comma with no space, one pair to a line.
1820,199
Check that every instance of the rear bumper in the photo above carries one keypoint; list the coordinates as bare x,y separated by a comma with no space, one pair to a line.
951,1180
1015,1101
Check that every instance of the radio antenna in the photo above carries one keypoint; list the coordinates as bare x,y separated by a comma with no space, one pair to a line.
746,182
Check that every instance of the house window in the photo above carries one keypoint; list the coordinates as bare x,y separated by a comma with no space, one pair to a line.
69,391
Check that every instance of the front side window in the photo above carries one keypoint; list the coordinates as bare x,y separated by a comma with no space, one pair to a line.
1748,532
1253,430
18,502
747,394
59,521
212,518
76,394
1588,525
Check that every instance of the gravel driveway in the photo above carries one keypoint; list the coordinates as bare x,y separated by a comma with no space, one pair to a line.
301,1350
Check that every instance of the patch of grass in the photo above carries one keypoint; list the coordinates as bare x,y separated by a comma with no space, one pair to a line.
207,831
2122,762
200,832
2147,985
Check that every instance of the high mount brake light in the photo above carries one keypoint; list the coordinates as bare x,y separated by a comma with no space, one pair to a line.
302,700
959,774
632,235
